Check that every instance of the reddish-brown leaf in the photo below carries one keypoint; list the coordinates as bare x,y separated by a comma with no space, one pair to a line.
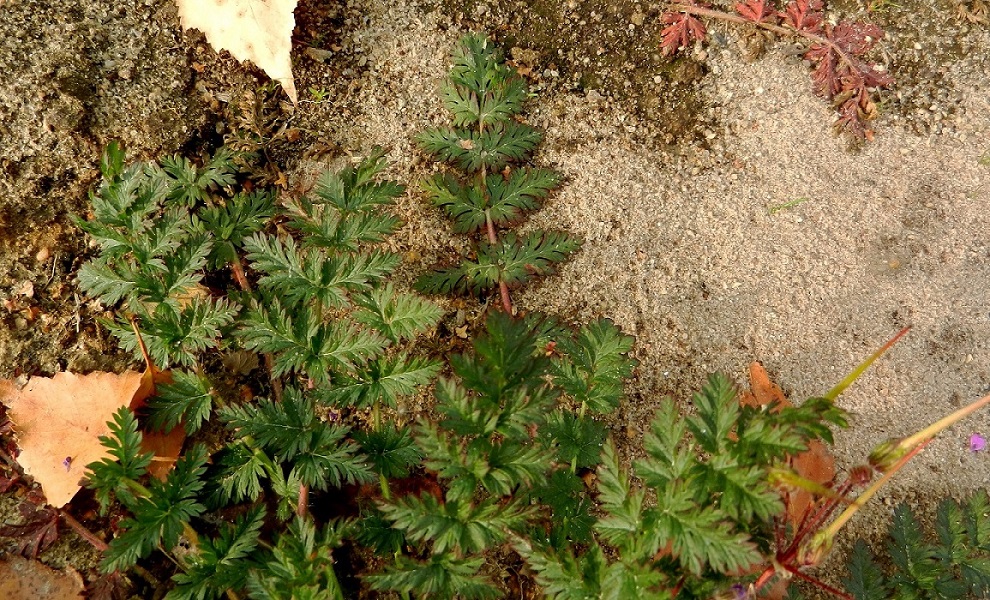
804,15
38,531
855,37
841,75
682,29
757,11
23,579
108,587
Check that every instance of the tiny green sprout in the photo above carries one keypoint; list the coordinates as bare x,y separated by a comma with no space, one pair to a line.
880,6
984,159
779,207
319,95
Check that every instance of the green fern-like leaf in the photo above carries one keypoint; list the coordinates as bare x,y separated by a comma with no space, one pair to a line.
623,523
718,412
301,566
865,580
177,336
503,359
392,452
594,365
237,475
396,315
454,525
348,209
503,200
491,149
190,184
304,276
578,441
917,573
442,576
512,261
222,563
467,463
187,399
570,506
241,216
482,89
377,533
160,518
303,343
111,477
381,381
290,430
564,576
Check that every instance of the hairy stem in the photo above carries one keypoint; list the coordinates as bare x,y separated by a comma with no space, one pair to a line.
81,530
302,507
242,281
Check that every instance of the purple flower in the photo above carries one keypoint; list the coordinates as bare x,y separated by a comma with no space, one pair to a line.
977,442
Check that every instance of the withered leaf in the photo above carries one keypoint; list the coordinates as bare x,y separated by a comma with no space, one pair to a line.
23,579
58,422
253,30
815,464
804,15
757,11
38,531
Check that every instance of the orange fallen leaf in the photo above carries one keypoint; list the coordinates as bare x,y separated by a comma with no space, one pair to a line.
58,422
814,464
23,579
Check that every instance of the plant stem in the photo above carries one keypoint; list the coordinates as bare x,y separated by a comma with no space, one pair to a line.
851,377
302,506
81,530
242,281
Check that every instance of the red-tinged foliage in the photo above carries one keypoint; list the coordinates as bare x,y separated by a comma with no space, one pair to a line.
839,74
38,531
758,11
681,30
804,15
842,76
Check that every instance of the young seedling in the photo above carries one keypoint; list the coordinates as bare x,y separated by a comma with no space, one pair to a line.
491,192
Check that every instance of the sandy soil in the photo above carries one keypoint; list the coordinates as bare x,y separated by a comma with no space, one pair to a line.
673,175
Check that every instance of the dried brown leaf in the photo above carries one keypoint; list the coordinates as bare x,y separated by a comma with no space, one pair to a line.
23,579
255,30
58,422
804,15
37,531
816,464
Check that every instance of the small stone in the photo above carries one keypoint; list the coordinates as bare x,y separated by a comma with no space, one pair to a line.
637,19
24,288
319,54
43,255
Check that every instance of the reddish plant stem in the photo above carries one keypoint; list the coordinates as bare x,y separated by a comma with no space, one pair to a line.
700,11
242,281
819,583
302,507
81,530
503,289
